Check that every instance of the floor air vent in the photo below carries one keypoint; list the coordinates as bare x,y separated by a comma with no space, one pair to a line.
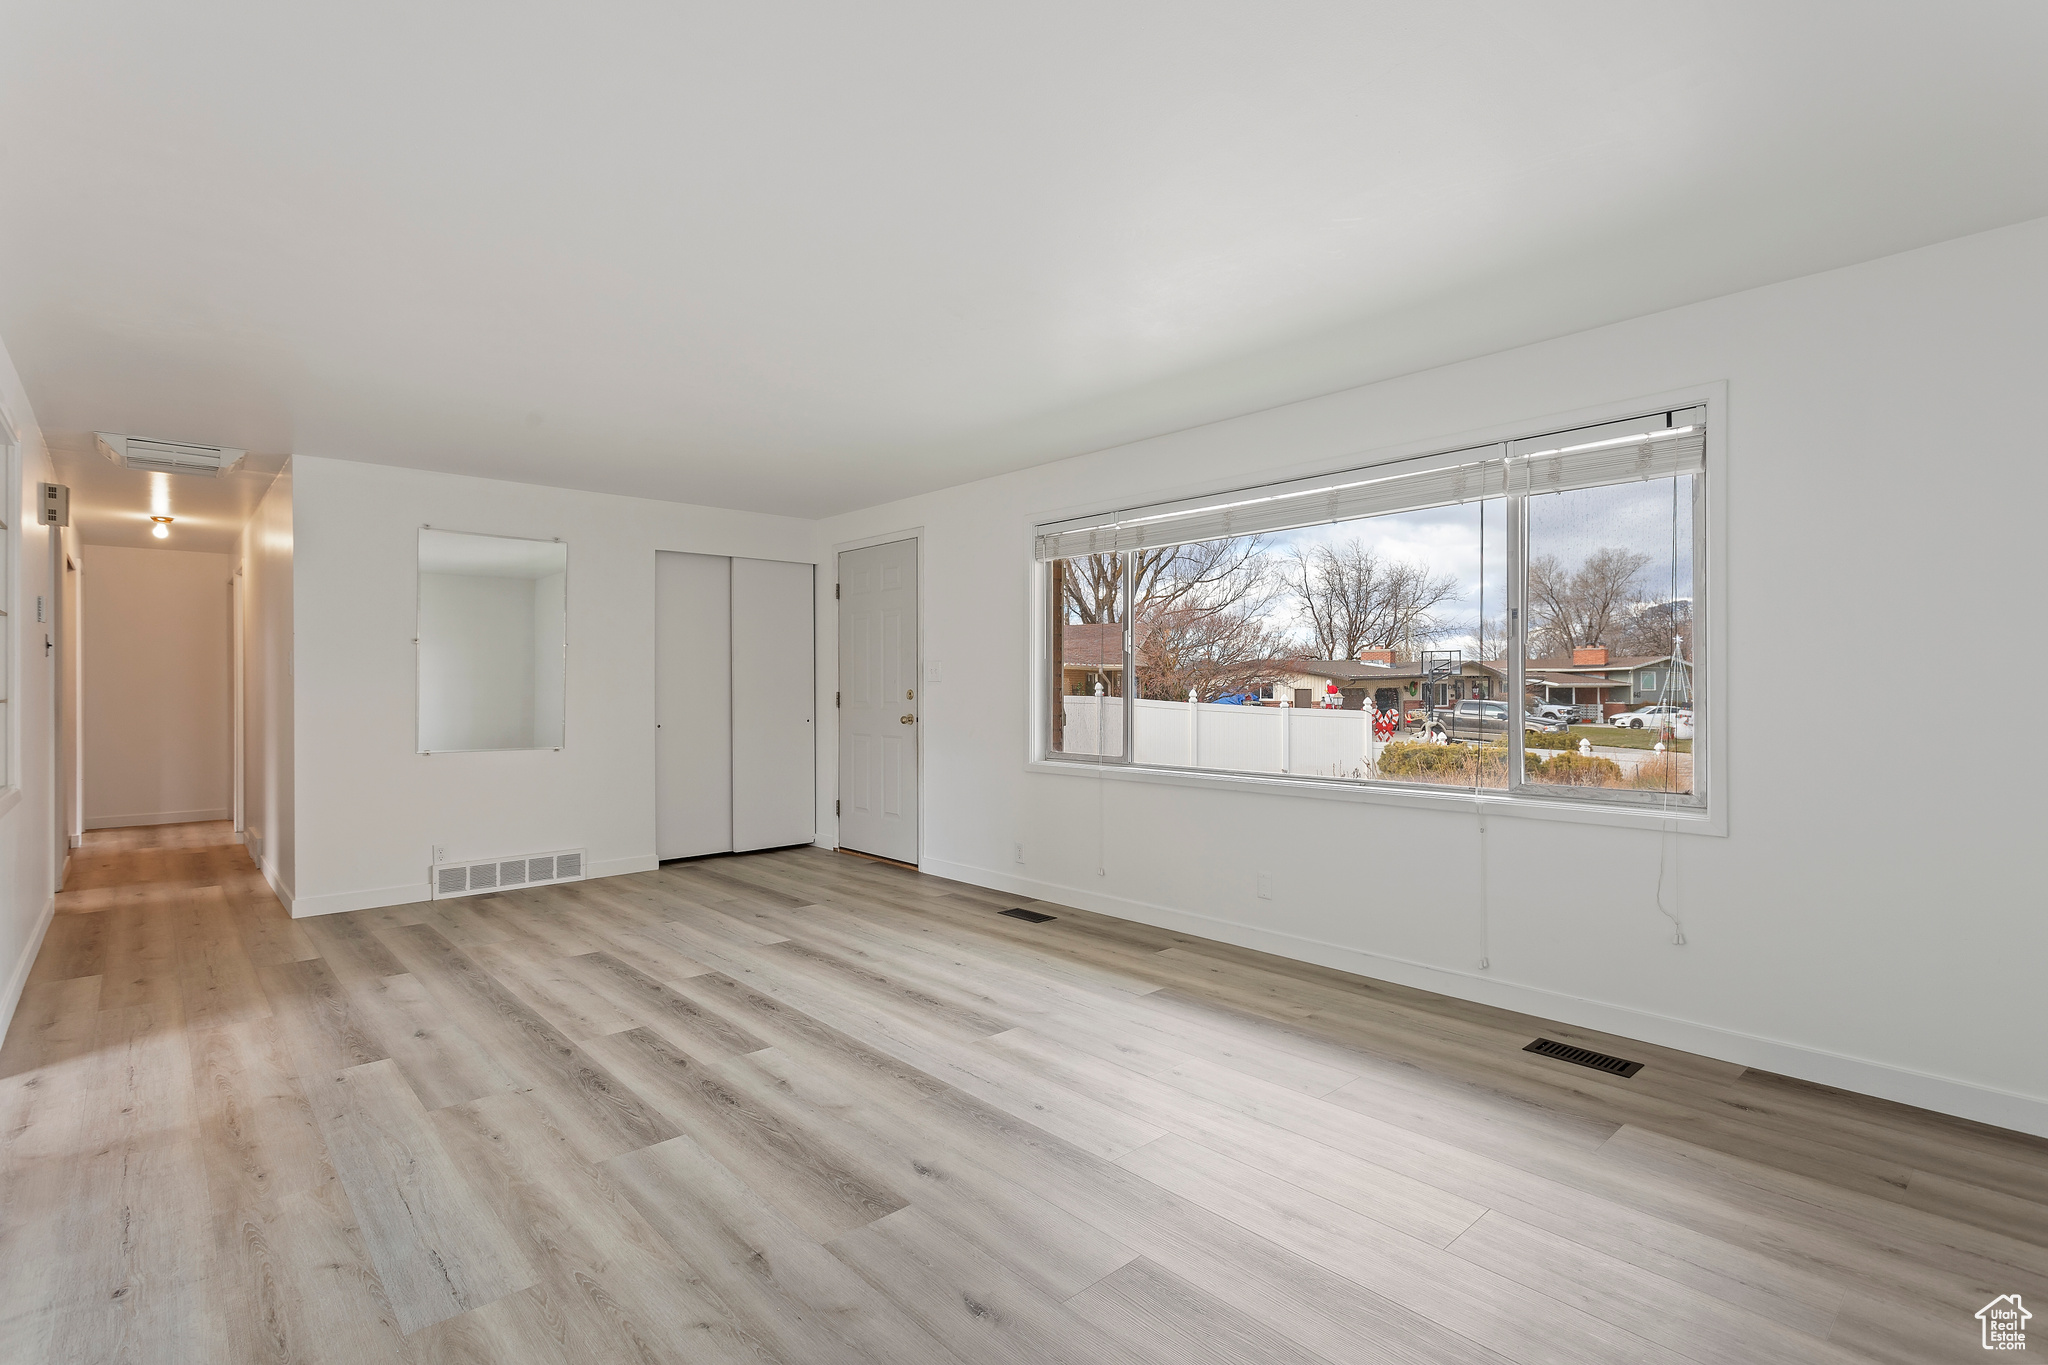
1028,916
1579,1056
499,874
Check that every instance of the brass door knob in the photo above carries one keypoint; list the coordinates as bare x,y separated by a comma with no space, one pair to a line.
906,720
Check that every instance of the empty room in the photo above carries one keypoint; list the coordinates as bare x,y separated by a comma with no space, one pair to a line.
1057,685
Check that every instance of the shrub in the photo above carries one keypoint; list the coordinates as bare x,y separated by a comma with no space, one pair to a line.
1572,769
1465,765
1455,765
1664,773
1546,740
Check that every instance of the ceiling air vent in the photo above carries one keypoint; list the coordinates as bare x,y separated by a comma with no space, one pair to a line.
168,457
501,874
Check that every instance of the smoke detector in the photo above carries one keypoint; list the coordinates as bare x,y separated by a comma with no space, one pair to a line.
168,457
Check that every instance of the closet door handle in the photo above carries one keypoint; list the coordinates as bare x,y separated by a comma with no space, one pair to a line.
906,720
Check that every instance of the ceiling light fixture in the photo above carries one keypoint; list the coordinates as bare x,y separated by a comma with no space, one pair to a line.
162,529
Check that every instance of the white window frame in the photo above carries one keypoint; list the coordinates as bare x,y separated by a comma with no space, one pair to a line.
1705,814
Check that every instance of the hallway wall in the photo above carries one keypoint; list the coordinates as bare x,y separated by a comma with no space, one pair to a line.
157,735
269,643
28,832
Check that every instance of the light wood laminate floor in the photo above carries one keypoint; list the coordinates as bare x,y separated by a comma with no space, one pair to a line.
800,1107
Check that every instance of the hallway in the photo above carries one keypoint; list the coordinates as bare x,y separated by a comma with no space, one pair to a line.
141,1072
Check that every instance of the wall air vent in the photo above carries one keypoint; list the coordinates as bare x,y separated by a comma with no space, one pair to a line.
1028,916
506,874
168,457
1579,1056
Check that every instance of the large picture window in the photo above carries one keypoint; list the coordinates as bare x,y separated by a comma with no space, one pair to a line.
1516,619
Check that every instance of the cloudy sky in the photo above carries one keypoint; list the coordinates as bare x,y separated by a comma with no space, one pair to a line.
1469,543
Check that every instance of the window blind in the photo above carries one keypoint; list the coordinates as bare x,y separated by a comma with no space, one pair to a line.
1653,454
1623,460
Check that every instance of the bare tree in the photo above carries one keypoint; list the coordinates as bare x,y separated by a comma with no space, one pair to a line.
1349,598
1589,605
1651,627
1185,648
1489,639
1198,613
1212,574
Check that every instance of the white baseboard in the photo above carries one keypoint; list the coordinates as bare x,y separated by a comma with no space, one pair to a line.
17,980
277,884
162,817
77,841
621,867
1945,1095
376,897
410,893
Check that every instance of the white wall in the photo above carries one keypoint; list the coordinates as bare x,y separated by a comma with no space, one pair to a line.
371,810
157,651
268,674
1872,919
29,834
68,692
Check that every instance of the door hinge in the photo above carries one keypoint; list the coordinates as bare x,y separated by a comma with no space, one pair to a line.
835,808
835,699
835,592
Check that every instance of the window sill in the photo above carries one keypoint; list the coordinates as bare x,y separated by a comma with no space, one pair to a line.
1690,820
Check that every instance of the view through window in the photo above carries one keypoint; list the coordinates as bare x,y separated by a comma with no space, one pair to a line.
1610,589
1087,613
1386,647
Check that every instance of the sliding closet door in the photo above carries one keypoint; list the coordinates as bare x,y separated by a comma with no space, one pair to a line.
774,741
693,704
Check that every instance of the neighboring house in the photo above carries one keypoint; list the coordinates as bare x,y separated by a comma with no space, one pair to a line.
1090,652
1604,684
1378,679
1597,681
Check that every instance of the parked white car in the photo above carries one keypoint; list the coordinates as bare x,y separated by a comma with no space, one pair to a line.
1654,717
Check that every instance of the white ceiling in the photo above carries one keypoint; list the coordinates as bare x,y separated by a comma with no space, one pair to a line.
112,505
808,257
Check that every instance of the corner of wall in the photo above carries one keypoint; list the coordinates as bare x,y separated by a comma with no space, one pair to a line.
269,671
17,980
279,886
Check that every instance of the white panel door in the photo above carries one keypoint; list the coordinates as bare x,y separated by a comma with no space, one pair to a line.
878,700
693,705
774,698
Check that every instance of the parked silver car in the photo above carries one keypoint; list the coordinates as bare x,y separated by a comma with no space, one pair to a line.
1483,720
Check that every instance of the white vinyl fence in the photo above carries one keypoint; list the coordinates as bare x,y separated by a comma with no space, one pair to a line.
1309,742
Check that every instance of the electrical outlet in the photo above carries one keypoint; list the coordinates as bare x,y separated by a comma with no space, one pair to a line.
1265,886
1020,853
932,671
440,853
